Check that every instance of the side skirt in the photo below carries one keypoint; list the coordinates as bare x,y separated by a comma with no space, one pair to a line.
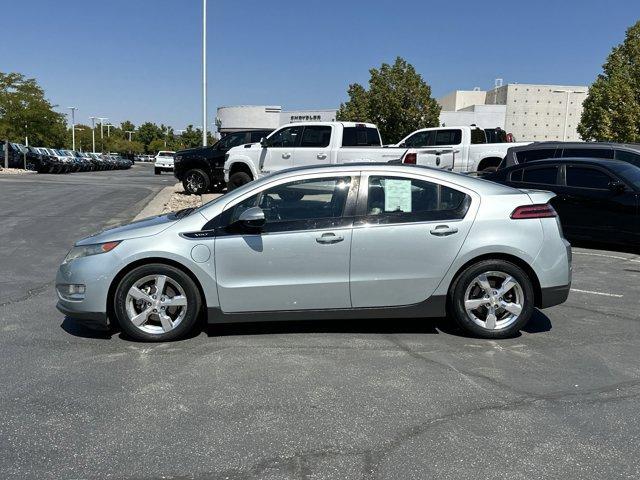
432,307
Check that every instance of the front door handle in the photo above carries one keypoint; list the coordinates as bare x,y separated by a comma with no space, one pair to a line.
443,230
329,238
286,155
321,156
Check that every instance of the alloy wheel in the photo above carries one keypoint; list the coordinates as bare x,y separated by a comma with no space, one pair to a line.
195,182
494,300
156,304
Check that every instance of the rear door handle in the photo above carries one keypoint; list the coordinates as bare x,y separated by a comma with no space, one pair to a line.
329,238
443,230
286,155
321,156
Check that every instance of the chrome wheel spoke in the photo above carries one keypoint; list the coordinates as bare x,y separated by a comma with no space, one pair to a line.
507,285
483,281
511,307
490,322
166,322
474,303
160,282
138,294
142,317
177,301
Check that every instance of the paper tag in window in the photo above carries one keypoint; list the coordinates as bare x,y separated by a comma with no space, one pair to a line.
397,195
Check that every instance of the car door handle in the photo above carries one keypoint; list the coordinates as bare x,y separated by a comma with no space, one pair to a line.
321,156
329,238
286,155
443,230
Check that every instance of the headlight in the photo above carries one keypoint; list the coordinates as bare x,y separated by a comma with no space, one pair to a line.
88,250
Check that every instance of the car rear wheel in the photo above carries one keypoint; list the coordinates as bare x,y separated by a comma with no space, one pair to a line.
156,303
196,182
492,299
237,180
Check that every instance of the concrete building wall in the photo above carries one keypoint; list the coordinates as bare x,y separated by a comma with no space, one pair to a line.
460,99
539,112
247,117
484,116
293,116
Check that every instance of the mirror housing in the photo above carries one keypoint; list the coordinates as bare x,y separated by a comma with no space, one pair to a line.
264,143
617,186
252,218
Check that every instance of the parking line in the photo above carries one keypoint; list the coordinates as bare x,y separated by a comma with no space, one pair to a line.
615,295
617,257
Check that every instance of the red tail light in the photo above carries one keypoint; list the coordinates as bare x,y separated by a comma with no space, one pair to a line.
541,210
410,158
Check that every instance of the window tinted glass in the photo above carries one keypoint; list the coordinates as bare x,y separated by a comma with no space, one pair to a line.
300,201
478,136
495,135
448,137
404,199
536,154
286,138
543,175
232,140
631,174
588,152
516,175
316,136
360,137
584,177
633,158
420,139
256,136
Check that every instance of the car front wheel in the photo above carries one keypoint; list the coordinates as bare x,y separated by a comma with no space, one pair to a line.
492,299
196,182
237,180
156,303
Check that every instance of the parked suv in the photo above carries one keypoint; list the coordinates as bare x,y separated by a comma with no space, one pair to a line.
201,169
164,162
629,153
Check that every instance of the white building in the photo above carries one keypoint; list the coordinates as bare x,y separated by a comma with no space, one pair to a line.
484,116
257,117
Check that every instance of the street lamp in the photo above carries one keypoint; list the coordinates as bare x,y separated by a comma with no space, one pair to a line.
73,127
566,109
78,129
108,125
93,132
130,132
204,72
102,119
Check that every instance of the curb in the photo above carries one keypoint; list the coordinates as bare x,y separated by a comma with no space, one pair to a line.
157,203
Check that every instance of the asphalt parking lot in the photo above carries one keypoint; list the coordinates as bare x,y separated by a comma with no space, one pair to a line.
302,400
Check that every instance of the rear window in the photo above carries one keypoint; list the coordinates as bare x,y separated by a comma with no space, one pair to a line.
165,154
541,175
629,157
524,156
588,152
584,177
360,137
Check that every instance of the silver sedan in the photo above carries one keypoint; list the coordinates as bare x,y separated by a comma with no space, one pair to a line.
359,240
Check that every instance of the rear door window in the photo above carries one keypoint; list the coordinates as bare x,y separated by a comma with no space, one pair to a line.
317,136
585,177
448,137
524,156
587,152
541,175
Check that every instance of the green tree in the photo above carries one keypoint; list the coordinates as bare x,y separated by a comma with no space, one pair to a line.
611,111
398,101
24,111
155,146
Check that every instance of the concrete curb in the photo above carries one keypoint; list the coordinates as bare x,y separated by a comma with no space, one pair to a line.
157,203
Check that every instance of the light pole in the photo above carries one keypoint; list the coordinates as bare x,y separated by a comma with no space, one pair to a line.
93,132
73,127
102,119
79,129
566,109
204,73
130,132
108,125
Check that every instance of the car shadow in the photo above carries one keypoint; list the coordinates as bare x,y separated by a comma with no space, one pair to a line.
539,323
606,246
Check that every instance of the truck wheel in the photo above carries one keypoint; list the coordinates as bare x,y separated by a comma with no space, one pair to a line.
157,171
237,180
196,182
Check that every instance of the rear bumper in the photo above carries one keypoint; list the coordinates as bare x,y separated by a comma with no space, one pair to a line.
551,296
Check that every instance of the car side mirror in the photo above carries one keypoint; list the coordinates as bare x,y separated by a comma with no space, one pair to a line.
617,187
264,143
252,218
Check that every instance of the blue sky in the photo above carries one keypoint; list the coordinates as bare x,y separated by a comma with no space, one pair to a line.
140,59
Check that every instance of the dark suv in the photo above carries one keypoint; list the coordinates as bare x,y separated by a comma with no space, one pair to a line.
626,152
201,169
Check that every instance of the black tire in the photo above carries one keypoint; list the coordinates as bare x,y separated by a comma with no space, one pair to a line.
196,182
237,180
176,275
157,171
465,280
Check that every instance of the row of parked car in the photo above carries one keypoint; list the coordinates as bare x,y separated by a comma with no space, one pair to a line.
52,160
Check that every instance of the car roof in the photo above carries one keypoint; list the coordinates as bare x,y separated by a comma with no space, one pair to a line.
557,144
605,162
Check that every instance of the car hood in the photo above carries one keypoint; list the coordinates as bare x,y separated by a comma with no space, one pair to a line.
141,228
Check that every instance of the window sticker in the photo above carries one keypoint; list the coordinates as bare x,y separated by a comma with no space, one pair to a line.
397,195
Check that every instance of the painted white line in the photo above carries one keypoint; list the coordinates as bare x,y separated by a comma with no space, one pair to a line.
615,295
617,257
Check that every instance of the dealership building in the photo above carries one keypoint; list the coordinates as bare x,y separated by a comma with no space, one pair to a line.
529,112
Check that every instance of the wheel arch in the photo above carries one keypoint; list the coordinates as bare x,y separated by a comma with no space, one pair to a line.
535,281
241,166
487,162
145,261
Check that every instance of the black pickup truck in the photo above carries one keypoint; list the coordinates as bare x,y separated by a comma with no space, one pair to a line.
201,169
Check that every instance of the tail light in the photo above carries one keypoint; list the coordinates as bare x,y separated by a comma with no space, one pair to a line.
541,210
410,158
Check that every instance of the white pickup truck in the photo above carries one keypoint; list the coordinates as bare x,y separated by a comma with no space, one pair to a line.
307,143
471,152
